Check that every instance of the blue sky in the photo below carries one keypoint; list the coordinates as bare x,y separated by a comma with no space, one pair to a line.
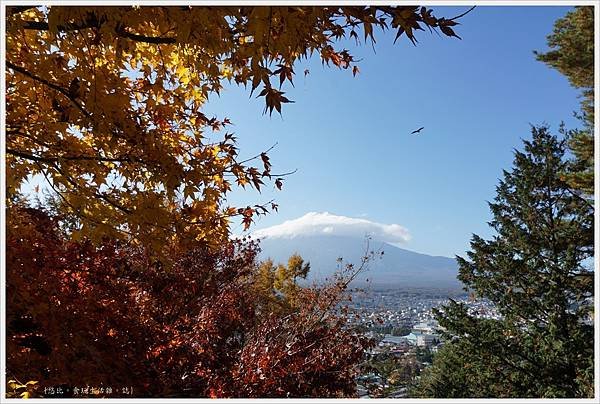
349,137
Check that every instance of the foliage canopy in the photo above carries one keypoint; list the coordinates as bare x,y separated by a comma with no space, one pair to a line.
107,315
106,103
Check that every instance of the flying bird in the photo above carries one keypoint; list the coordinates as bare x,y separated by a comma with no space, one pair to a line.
417,131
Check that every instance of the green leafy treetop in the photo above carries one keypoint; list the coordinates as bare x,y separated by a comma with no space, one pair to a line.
537,271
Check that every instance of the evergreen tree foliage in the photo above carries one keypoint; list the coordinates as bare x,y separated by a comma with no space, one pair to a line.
572,53
581,176
458,372
537,271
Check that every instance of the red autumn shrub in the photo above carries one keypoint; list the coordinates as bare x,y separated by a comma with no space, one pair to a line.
105,316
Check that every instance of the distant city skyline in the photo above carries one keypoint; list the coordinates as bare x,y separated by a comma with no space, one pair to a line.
350,137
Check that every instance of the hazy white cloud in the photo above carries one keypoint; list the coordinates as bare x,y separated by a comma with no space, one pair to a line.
324,223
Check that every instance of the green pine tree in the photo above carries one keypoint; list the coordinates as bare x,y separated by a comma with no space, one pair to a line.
572,53
538,273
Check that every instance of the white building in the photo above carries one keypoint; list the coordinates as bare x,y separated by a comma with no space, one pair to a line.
427,327
426,340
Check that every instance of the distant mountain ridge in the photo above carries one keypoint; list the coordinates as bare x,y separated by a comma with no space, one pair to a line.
396,268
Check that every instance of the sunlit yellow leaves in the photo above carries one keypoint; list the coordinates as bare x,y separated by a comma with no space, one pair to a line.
184,75
227,73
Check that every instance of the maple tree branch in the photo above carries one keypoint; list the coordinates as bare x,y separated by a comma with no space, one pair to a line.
34,139
258,155
73,208
227,215
390,10
52,159
43,26
96,194
284,174
48,84
93,23
461,15
121,31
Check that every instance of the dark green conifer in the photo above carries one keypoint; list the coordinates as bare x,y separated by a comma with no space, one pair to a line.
572,53
538,272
